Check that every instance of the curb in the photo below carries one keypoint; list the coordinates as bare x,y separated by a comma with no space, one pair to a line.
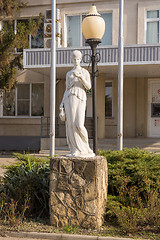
55,236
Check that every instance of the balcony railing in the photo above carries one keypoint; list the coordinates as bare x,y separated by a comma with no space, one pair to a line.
60,129
133,55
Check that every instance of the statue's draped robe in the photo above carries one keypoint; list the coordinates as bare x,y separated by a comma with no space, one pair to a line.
74,102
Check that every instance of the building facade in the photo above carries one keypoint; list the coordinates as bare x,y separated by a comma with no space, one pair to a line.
24,113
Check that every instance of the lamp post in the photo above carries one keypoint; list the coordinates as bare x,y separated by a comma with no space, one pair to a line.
93,27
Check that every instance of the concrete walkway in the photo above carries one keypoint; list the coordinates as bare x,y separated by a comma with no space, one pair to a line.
55,236
5,159
149,144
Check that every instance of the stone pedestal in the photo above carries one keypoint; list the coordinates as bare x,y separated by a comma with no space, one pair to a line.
78,191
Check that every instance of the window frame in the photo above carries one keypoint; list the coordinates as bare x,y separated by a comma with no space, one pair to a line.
30,103
152,20
30,99
81,35
110,81
66,32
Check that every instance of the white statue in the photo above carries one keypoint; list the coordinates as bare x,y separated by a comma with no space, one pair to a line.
73,107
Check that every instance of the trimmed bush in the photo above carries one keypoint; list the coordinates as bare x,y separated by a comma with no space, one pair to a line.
133,164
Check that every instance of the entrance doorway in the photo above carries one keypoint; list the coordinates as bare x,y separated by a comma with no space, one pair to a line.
154,108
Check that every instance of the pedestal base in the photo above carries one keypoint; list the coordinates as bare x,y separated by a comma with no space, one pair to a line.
78,191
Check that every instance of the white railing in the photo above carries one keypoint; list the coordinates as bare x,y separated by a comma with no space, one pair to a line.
133,55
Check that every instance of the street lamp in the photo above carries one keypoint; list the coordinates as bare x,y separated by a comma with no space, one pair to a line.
93,27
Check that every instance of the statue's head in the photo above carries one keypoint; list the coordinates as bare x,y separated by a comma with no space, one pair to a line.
76,55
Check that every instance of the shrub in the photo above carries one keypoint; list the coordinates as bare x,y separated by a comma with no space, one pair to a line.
134,188
133,164
9,210
133,212
28,179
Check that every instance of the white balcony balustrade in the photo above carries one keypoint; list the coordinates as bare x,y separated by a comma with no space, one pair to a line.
133,55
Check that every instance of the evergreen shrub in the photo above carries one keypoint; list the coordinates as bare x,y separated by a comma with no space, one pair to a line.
134,189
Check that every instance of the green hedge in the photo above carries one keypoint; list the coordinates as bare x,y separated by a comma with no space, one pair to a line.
133,164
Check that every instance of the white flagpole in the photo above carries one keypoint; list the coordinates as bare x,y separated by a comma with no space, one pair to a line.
53,81
120,78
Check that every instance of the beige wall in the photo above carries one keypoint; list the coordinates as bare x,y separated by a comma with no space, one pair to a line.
46,96
60,89
140,106
129,107
101,107
135,109
20,126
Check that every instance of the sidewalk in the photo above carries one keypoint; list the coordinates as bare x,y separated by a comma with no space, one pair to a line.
5,160
55,236
149,144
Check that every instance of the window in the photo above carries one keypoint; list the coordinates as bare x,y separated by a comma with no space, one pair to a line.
73,31
107,37
25,100
153,27
108,99
9,103
38,40
37,104
75,37
34,42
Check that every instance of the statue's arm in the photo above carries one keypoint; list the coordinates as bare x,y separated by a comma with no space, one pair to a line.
85,79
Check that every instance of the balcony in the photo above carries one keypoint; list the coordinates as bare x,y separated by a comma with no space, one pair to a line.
133,55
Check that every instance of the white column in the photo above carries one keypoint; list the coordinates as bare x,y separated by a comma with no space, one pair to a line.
120,78
53,81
